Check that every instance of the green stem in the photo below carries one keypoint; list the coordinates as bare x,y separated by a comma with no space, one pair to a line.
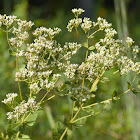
18,82
94,33
96,81
43,98
105,100
77,32
8,39
71,121
46,100
65,131
112,74
85,117
85,60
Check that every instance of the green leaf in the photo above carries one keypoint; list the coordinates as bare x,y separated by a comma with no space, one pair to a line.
93,96
13,127
129,85
12,52
135,91
24,137
91,48
32,118
94,86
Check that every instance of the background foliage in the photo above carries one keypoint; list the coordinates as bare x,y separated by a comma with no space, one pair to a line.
121,120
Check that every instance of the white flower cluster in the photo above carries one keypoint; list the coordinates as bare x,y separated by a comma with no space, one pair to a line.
86,25
135,51
42,31
49,85
110,32
39,68
74,47
129,41
74,23
20,32
70,71
20,75
102,23
78,11
69,50
22,109
127,65
10,98
45,56
7,20
19,53
107,54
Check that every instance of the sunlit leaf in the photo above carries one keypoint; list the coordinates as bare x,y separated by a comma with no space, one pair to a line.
91,48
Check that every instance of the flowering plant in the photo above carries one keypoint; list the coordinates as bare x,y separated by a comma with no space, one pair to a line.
44,61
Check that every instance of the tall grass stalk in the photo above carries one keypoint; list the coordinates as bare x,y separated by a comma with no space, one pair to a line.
121,17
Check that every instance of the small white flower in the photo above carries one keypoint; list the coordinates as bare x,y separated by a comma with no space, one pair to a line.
129,41
10,98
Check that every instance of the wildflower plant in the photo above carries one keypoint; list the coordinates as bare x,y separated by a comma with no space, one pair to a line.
42,62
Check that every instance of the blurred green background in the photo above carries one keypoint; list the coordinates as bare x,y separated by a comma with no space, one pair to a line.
122,120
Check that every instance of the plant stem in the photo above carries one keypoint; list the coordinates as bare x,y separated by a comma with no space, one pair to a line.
65,131
43,98
85,117
18,81
71,121
47,99
77,32
94,33
85,60
8,39
105,100
16,64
